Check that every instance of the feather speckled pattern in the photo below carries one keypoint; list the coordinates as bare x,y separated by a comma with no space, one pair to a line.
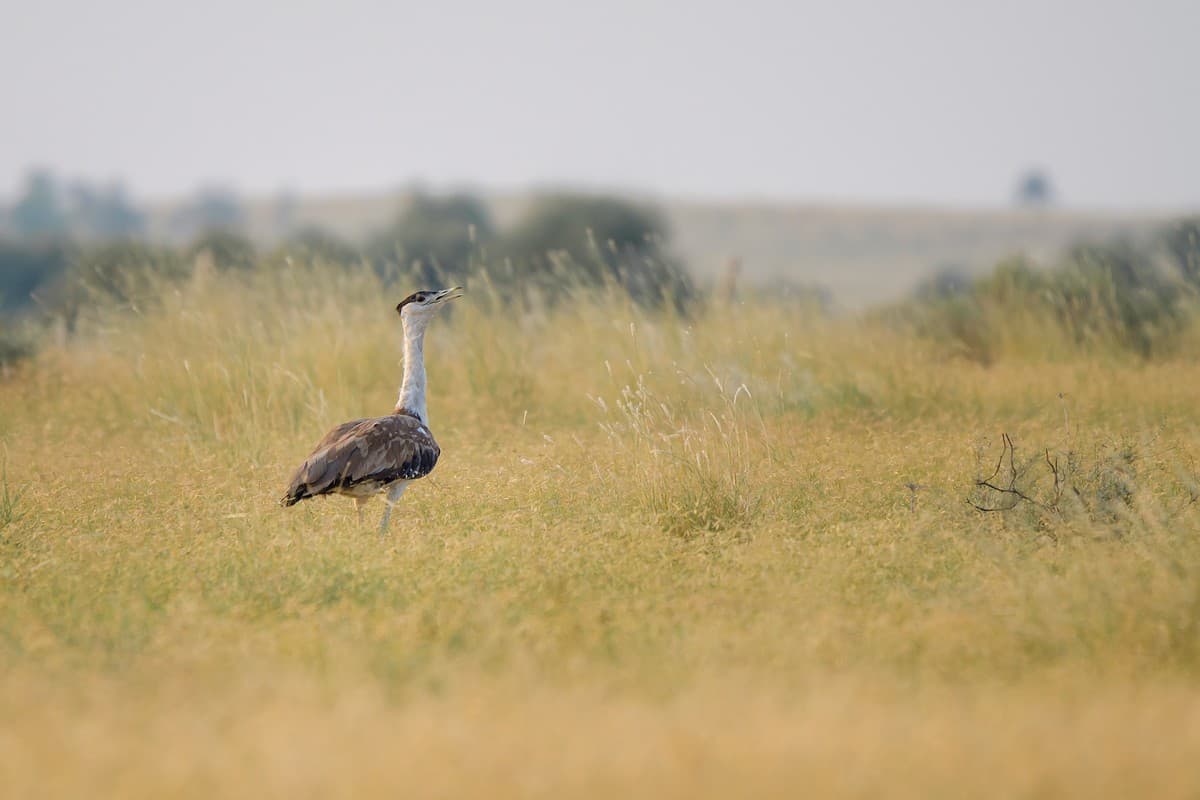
362,457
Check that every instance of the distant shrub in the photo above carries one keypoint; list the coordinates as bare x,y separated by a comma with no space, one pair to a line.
1034,189
433,239
960,323
30,271
1011,283
572,240
1116,293
958,312
1098,296
49,207
945,283
28,267
124,273
212,208
103,212
17,343
317,245
40,211
228,249
1182,243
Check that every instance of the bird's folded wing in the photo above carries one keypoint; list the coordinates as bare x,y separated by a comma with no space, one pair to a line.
380,450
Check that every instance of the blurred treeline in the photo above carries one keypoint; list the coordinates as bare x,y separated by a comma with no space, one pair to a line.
1118,297
66,247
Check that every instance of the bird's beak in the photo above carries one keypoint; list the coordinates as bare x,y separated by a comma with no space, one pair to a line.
450,294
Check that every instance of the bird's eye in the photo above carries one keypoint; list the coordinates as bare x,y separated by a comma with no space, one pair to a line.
420,298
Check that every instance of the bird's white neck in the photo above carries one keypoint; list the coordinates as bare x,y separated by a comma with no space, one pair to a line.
412,389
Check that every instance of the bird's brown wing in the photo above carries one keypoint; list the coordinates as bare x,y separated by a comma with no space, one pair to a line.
337,433
366,451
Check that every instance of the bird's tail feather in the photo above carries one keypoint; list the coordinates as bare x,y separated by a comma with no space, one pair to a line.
294,495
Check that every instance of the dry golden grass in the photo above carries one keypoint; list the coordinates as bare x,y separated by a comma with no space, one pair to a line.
659,558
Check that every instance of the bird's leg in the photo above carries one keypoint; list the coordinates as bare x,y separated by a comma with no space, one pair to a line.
359,504
393,495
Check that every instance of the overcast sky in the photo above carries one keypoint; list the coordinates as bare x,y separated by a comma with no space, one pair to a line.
938,102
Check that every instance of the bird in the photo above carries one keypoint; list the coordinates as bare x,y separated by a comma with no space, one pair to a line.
365,457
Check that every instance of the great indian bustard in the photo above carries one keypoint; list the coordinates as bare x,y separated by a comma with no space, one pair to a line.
364,457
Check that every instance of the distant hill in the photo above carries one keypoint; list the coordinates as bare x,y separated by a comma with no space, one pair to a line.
864,255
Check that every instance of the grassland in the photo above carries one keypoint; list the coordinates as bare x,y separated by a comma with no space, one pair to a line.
725,556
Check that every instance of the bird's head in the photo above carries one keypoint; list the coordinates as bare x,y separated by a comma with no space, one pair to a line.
425,303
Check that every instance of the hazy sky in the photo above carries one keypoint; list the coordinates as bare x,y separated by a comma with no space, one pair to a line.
933,101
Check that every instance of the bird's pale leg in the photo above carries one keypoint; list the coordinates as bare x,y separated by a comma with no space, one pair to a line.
392,496
359,504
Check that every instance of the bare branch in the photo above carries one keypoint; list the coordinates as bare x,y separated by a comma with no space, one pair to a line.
1008,451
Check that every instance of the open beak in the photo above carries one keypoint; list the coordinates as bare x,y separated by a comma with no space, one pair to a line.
450,294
